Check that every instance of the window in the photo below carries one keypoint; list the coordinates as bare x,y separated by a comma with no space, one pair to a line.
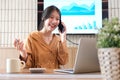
17,19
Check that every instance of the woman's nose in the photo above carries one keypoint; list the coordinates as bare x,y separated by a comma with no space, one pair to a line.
54,20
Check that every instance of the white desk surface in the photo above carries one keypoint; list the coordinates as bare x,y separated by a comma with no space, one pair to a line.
49,76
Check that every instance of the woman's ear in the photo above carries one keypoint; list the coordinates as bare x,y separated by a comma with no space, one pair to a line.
42,19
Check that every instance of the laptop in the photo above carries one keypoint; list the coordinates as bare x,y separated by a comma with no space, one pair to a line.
86,59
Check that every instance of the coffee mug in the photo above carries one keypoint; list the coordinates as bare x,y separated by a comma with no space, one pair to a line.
14,65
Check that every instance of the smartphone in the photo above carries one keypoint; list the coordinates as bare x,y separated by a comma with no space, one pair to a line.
37,70
61,27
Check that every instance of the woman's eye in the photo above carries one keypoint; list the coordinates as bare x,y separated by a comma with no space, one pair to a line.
51,17
57,19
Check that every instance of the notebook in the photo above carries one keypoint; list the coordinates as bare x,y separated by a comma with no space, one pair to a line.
86,59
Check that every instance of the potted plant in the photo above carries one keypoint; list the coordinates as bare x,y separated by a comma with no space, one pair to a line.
108,43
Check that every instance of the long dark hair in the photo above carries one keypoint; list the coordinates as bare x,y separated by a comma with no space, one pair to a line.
46,14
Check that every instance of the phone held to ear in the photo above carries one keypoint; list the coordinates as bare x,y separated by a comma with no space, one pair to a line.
61,27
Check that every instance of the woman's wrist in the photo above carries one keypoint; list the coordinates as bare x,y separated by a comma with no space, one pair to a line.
63,38
23,55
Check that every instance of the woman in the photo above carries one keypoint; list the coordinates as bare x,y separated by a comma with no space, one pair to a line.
44,49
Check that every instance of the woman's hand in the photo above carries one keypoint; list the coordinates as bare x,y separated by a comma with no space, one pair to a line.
19,45
63,34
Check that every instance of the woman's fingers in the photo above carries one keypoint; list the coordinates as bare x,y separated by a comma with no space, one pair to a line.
21,45
16,41
18,44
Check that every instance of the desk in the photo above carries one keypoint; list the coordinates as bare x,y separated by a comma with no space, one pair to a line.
50,75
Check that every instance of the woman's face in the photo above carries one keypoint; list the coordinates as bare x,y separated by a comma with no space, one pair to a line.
52,22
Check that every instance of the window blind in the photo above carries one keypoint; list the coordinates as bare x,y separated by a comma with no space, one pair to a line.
114,8
17,19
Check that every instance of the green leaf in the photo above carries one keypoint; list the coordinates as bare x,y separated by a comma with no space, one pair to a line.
109,34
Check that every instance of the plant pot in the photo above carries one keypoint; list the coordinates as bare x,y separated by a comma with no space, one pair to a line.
109,59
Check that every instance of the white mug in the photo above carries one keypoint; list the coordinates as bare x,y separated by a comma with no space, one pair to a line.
14,65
